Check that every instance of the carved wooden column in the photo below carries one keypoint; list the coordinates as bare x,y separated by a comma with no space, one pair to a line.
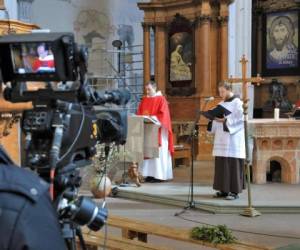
205,55
146,58
223,47
223,20
160,56
198,56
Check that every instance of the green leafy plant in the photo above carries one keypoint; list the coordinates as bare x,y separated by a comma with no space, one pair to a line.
219,234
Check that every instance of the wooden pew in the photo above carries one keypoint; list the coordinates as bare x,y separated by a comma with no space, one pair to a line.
94,240
141,229
132,228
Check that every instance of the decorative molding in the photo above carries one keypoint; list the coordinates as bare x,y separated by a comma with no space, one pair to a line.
275,5
276,130
205,19
180,21
147,25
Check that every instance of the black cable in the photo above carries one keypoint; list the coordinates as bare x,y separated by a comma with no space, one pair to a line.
242,231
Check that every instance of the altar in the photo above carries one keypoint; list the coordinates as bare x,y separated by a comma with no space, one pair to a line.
276,143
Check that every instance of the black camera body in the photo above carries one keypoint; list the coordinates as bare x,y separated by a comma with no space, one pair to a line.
68,105
63,128
78,141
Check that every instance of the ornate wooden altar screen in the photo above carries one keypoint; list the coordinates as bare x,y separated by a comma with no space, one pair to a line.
10,113
202,27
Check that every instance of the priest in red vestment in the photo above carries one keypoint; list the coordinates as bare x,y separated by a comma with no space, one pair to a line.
45,60
155,104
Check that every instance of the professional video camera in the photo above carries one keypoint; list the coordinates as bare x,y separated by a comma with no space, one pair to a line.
62,129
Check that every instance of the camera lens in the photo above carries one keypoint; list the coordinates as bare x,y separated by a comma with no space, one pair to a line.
87,213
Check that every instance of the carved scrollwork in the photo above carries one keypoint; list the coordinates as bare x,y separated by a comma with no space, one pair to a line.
147,25
203,19
7,121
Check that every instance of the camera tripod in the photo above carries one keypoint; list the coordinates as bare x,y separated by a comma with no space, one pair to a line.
69,232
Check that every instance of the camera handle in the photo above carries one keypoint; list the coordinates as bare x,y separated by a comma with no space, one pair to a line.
55,148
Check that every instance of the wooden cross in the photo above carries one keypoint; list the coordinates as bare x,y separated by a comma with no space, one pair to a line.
244,80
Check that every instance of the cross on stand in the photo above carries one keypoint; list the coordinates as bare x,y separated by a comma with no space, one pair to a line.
248,211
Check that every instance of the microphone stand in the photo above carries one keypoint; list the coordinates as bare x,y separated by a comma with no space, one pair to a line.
191,202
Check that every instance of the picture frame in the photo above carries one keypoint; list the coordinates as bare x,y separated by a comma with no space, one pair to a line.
280,50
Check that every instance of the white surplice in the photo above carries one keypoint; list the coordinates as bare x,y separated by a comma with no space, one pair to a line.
232,143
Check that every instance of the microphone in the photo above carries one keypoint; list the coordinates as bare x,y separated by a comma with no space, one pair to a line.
209,99
119,97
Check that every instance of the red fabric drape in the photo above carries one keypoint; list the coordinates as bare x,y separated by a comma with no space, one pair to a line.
158,106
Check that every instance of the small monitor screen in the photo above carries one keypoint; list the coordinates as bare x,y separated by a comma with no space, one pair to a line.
32,58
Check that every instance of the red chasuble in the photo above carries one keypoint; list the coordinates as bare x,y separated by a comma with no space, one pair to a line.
158,106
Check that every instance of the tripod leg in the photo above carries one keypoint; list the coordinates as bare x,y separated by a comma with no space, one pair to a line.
81,240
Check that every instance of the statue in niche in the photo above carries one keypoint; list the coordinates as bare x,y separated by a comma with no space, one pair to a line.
180,57
278,97
179,70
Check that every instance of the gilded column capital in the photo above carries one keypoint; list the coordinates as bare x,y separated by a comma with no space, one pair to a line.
147,25
204,19
223,20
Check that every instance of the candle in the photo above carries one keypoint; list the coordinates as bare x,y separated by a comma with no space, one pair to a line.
276,114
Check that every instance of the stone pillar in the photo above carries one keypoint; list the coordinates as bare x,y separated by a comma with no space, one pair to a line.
25,10
223,20
160,56
146,57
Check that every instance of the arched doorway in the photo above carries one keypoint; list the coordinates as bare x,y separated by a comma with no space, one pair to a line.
273,174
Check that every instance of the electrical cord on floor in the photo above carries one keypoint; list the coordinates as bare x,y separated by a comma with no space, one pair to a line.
243,231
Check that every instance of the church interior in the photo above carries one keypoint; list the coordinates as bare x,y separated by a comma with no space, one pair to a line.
176,52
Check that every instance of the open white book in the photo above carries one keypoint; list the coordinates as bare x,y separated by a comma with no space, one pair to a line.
150,119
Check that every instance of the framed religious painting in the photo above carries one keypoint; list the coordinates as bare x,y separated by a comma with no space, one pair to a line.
180,57
280,50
